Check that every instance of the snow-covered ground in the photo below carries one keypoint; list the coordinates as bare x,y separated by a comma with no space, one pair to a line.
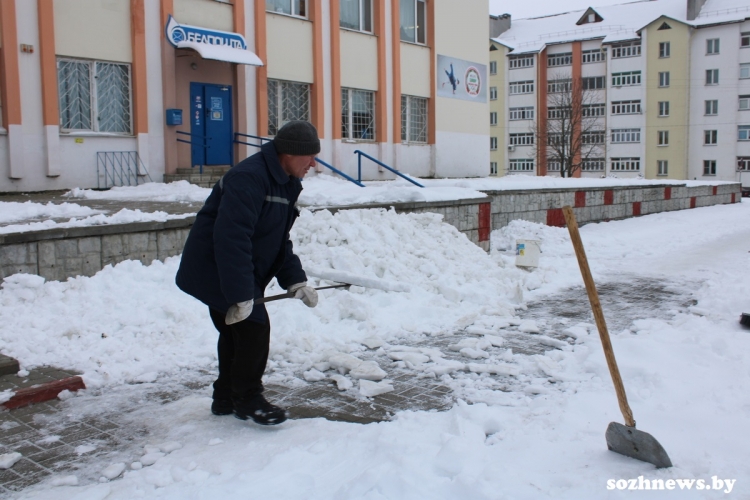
527,426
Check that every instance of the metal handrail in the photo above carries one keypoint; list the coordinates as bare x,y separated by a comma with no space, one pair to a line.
204,145
342,174
359,167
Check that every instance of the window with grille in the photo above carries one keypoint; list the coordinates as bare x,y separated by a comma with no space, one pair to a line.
621,50
593,110
521,165
94,96
493,67
625,135
663,137
287,101
662,167
290,7
625,164
559,86
558,112
525,87
710,137
525,139
664,49
593,164
663,108
593,137
744,71
357,114
564,59
743,163
524,113
593,82
493,168
516,62
712,107
627,78
593,56
356,15
413,21
664,79
413,119
745,40
493,93
493,143
493,118
743,133
744,102
712,77
712,46
626,107
709,167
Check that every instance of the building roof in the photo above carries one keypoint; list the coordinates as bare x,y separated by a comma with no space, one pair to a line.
722,11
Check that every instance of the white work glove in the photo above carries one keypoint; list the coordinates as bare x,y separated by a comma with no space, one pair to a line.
238,312
307,294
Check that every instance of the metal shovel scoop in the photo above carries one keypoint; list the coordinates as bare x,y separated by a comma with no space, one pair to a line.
623,439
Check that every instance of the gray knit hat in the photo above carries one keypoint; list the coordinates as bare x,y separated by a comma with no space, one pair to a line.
299,138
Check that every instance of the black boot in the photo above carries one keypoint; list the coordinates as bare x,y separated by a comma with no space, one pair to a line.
222,406
261,411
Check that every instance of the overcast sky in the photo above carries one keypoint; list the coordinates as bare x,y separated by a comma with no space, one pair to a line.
533,8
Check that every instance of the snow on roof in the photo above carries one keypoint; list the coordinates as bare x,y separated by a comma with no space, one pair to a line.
620,22
722,11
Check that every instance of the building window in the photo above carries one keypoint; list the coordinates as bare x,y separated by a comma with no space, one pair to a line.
663,137
626,79
287,101
493,118
356,15
743,163
712,77
553,166
712,107
493,67
710,137
558,112
564,59
413,20
744,102
744,71
357,115
662,167
559,86
290,7
526,139
593,82
413,119
743,133
626,135
709,167
593,165
516,62
664,79
625,164
621,50
664,49
593,137
745,40
525,113
593,56
626,107
712,46
94,96
521,165
493,168
493,143
593,110
525,87
663,108
493,93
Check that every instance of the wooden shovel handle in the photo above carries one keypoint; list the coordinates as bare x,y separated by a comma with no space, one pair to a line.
596,307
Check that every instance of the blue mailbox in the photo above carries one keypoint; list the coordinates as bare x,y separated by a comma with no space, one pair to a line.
174,117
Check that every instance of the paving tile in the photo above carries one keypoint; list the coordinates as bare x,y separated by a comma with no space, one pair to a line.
24,482
26,468
7,475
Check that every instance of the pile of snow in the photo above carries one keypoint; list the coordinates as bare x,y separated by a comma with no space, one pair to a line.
180,191
124,216
12,211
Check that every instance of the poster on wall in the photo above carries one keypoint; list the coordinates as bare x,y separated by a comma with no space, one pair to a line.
459,79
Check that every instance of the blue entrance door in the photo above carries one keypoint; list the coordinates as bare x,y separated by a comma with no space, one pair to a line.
211,124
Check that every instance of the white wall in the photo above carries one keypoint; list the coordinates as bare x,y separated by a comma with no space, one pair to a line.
204,13
289,48
359,60
93,29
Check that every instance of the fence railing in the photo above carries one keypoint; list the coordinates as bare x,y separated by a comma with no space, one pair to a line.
359,167
203,144
120,168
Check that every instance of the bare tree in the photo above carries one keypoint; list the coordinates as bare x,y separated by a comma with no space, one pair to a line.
571,134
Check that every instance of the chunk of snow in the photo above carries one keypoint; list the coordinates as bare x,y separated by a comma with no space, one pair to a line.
342,382
170,446
151,458
84,448
414,358
8,460
474,353
65,394
23,373
373,342
445,366
528,326
344,362
313,375
370,389
549,341
322,367
368,370
136,466
113,470
495,369
6,395
494,340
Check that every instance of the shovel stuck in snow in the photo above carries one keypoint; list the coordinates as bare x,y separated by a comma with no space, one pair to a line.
623,439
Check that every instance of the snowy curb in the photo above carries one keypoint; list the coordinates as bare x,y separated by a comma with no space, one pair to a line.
43,392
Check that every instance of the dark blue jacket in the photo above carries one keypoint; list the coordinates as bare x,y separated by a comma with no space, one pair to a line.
240,238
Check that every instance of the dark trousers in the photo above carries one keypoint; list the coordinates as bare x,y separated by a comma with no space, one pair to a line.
243,353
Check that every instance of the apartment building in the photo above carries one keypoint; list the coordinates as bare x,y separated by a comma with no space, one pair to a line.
150,86
661,89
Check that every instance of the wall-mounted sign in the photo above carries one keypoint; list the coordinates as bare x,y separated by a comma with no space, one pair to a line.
459,79
177,33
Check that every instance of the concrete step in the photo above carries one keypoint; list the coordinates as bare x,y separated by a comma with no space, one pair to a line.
8,365
214,169
206,180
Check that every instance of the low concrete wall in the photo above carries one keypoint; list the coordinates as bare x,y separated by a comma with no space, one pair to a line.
57,254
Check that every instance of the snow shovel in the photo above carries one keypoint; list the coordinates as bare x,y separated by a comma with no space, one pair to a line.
623,439
289,295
